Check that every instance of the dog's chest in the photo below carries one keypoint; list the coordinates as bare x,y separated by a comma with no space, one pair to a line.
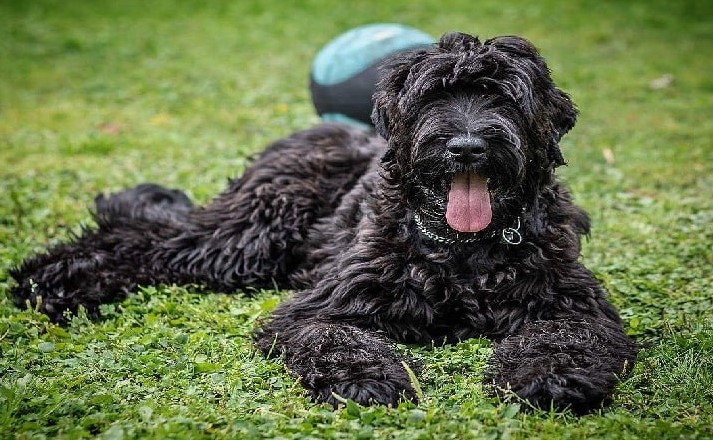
463,301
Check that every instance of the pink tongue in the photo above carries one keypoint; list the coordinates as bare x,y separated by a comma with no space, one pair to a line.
468,207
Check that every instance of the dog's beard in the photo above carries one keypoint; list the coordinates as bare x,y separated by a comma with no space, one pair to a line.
468,203
444,214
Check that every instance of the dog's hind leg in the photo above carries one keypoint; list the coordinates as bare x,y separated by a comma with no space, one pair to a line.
254,233
146,201
247,236
103,264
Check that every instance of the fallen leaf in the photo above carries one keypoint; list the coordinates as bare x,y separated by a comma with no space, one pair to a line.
608,155
110,128
160,119
662,82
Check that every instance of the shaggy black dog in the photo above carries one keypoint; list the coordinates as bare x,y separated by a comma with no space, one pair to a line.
450,225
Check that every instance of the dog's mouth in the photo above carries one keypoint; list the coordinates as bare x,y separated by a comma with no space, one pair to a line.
468,208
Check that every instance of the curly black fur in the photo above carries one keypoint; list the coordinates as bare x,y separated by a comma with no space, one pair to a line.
359,225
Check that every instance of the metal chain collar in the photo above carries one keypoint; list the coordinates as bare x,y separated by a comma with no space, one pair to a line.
510,236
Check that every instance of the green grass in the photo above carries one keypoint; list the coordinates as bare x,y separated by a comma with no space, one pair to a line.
98,96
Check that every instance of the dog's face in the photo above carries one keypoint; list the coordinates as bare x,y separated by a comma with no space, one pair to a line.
473,132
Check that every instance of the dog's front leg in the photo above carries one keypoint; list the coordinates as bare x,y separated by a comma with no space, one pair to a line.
337,361
573,363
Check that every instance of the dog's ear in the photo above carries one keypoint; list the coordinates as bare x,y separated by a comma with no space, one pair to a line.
389,100
380,119
562,114
392,76
385,105
553,107
385,111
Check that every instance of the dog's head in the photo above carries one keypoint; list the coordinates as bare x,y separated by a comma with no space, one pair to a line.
473,131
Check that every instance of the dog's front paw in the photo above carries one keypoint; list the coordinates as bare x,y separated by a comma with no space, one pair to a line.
368,378
336,362
561,364
552,382
363,390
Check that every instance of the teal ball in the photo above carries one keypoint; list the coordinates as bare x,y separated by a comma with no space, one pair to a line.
345,71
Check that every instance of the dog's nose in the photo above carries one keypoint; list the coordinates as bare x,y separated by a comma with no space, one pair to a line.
467,149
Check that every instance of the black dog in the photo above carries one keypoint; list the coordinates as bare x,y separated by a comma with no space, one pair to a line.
453,228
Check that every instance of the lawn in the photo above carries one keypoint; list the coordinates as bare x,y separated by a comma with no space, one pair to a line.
98,95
